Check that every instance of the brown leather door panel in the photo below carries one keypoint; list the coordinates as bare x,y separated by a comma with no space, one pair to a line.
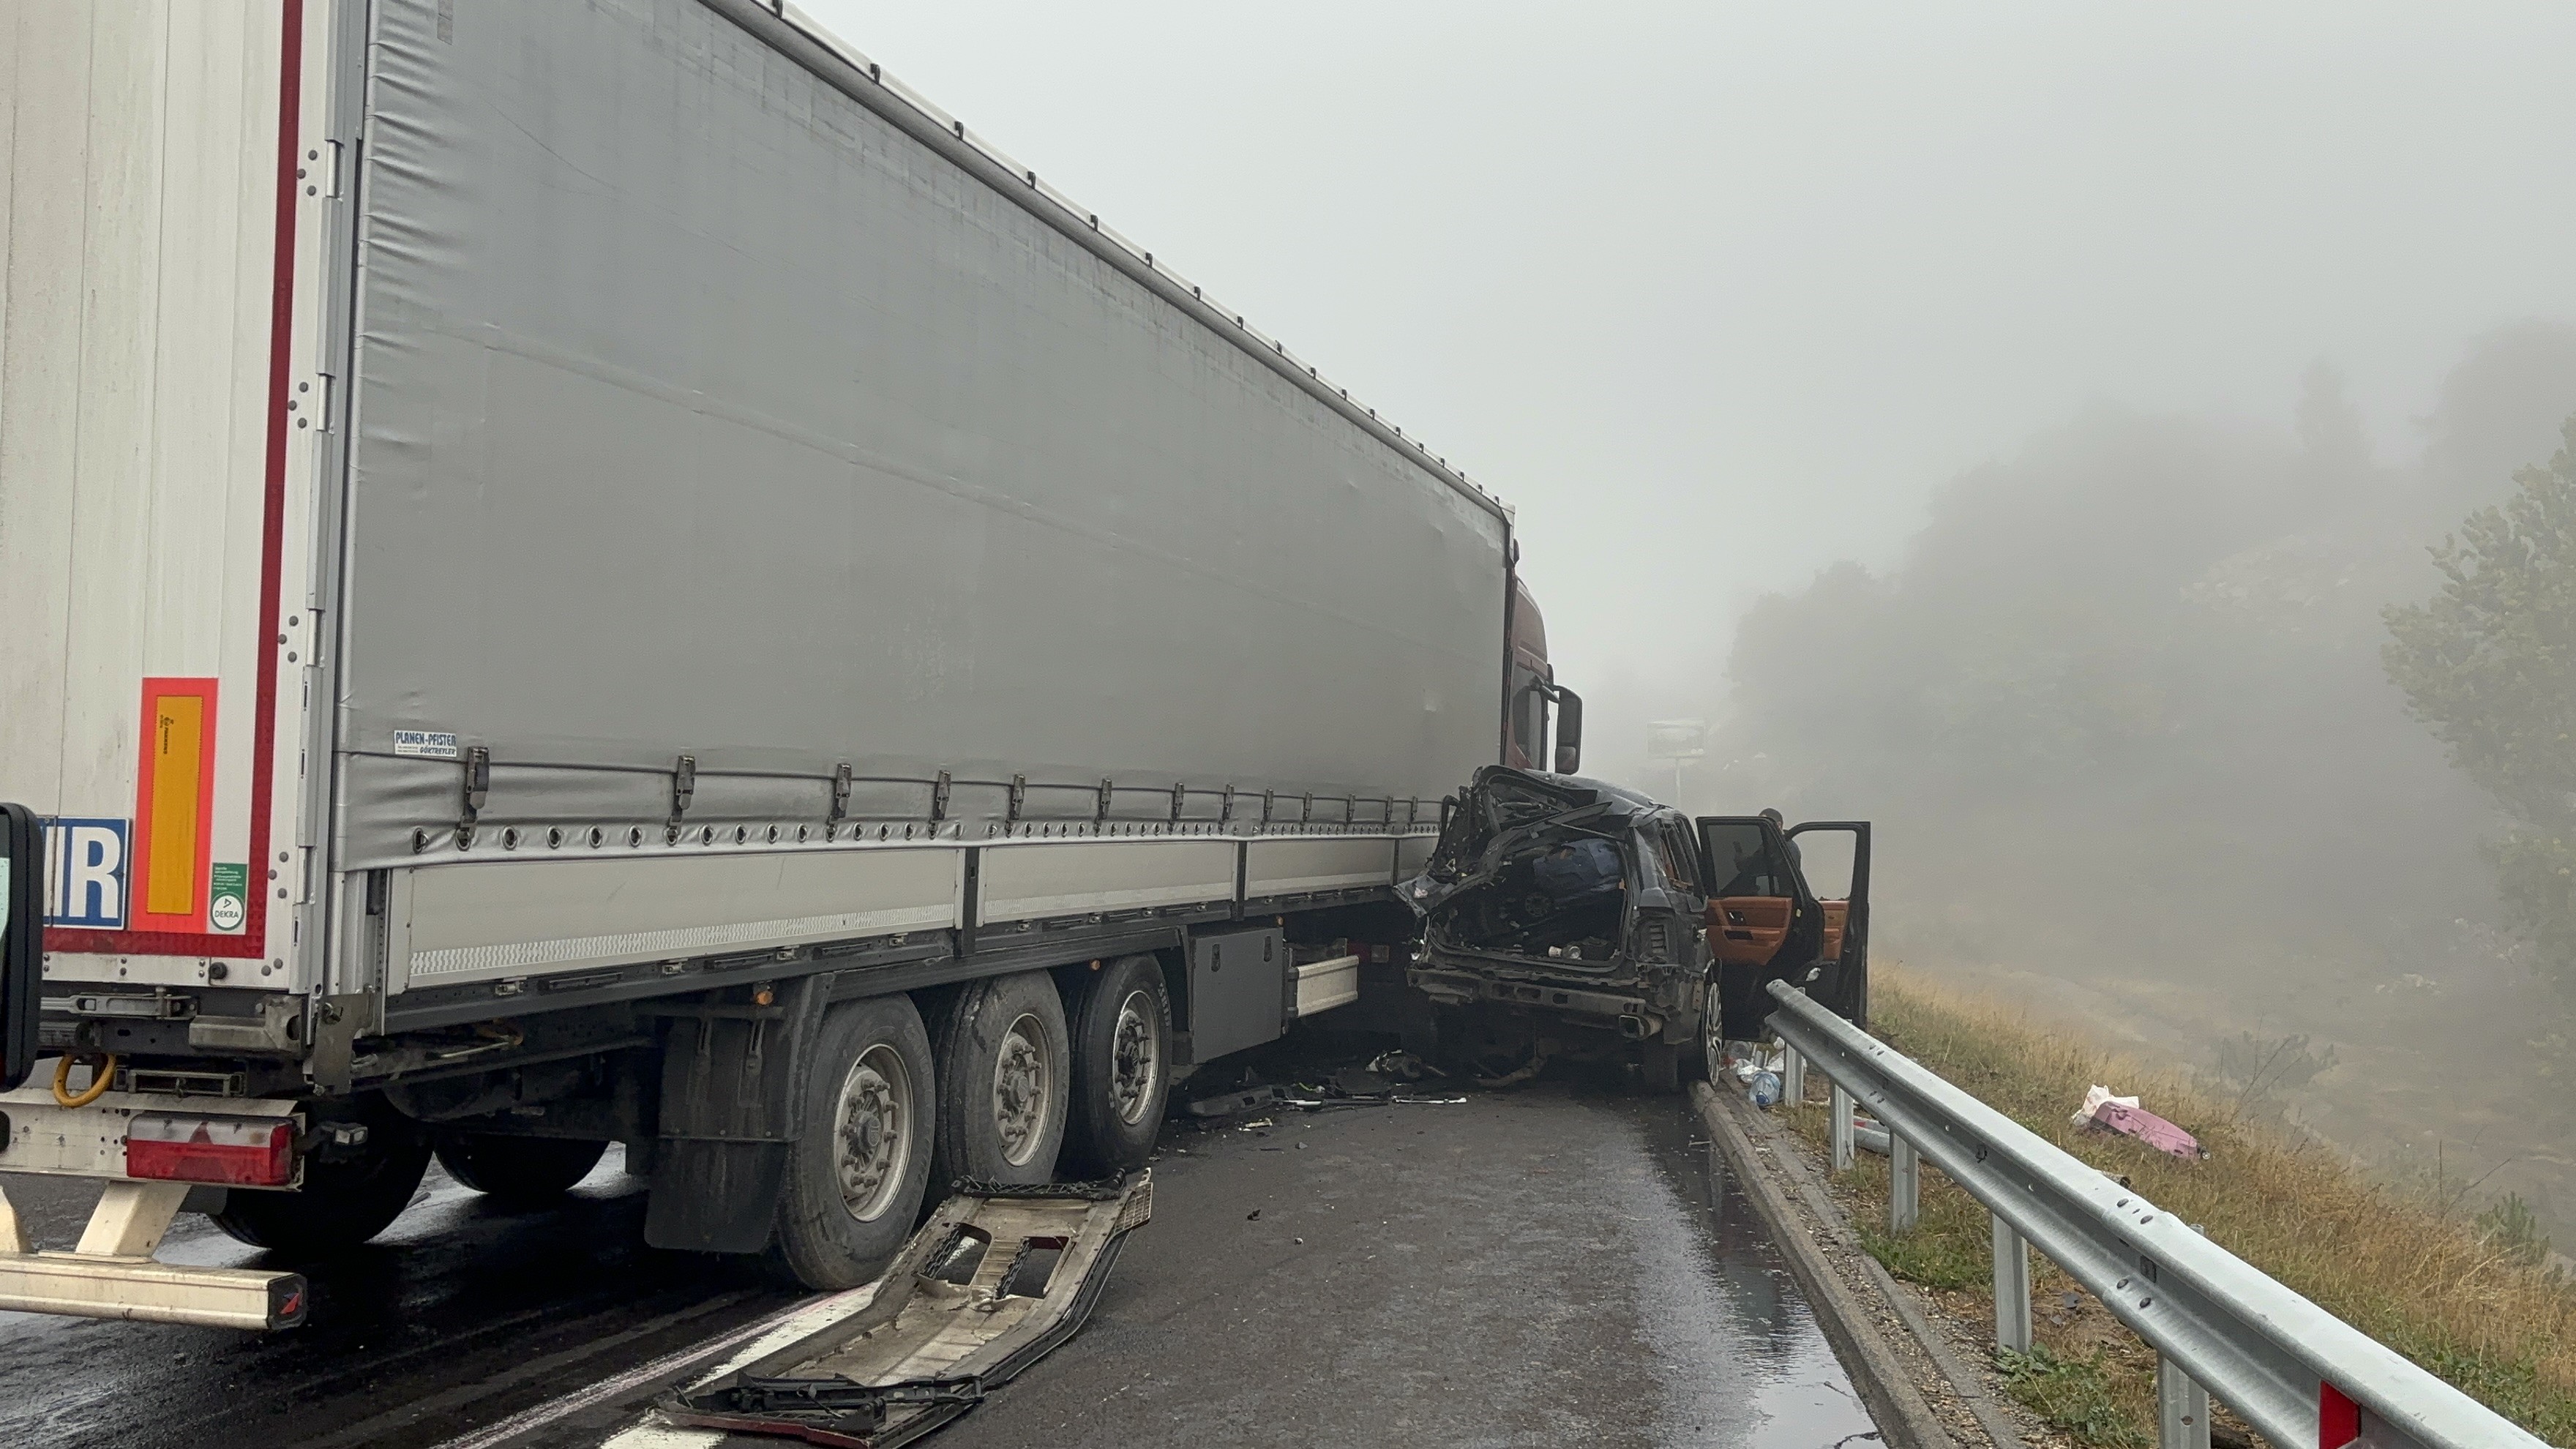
1836,913
1748,930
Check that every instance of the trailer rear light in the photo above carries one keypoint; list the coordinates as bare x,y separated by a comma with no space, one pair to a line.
233,1151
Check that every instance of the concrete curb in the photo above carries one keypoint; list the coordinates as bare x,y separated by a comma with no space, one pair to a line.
1902,1413
1964,1381
1858,1336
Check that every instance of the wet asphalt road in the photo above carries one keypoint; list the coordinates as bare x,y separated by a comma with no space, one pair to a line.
1555,1265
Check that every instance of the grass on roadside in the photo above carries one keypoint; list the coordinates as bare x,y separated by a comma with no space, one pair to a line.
2073,1394
2461,1297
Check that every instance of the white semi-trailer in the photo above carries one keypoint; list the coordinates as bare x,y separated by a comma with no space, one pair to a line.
600,572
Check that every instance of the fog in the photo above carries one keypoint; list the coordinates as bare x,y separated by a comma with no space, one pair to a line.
2003,422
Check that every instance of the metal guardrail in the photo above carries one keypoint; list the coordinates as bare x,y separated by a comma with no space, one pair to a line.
2298,1374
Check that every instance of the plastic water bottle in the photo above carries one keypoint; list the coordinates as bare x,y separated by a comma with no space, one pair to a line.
1766,1088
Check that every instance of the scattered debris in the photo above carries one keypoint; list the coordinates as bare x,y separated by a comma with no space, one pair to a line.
1003,1273
1517,1075
1227,1104
1360,1082
2104,1112
1327,1104
1758,1070
1746,1057
1404,1066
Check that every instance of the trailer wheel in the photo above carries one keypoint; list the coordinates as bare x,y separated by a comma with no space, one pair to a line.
342,1203
862,1154
518,1170
1003,1071
1122,1052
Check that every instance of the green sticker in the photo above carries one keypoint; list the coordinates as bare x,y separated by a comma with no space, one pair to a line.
227,896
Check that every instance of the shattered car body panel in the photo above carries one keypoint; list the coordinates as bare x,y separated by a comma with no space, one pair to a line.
995,1279
1567,896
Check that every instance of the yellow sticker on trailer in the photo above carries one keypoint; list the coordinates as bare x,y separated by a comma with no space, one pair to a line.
176,790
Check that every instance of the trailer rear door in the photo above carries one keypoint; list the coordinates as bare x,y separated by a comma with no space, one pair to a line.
159,437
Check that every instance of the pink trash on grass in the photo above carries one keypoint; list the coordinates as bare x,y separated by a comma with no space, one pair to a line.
2123,1115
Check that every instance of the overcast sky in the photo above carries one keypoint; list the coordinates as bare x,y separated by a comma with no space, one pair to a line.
1716,293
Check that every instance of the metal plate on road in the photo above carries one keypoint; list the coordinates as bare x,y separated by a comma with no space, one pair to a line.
997,1278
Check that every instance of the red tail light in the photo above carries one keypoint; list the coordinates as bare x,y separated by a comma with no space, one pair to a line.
234,1151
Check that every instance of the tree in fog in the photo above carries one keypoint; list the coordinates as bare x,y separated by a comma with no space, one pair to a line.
2489,665
2121,703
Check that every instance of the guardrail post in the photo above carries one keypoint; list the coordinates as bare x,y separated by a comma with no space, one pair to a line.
1839,1131
1904,1172
1793,1077
2012,1288
2182,1408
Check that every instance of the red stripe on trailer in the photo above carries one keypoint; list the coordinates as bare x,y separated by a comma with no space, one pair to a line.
253,940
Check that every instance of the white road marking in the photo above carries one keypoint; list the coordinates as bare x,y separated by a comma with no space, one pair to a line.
654,1434
766,1335
650,1432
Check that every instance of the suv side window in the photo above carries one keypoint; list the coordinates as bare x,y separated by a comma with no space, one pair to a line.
1742,862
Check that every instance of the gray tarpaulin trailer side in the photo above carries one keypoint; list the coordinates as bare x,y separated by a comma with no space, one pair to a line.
732,613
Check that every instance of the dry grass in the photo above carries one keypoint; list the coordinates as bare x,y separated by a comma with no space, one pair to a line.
2408,1266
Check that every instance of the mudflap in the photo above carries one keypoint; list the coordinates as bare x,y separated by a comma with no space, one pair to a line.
995,1280
731,1079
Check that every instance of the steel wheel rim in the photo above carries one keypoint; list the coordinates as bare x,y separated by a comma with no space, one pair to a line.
872,1132
1135,1058
1712,1035
1023,1085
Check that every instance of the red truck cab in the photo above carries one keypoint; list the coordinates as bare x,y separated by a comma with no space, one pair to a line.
1529,687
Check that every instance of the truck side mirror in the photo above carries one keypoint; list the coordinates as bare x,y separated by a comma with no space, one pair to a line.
1569,732
22,940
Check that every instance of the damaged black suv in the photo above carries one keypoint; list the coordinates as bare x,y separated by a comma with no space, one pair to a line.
1567,917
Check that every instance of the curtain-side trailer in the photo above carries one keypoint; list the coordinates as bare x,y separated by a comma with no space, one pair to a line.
601,572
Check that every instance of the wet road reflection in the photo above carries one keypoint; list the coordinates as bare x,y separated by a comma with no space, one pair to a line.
1546,1266
1801,1394
461,1313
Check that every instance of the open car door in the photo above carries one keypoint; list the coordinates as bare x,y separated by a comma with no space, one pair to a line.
1764,925
1841,981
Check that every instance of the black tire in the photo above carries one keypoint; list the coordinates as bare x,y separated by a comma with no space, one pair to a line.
1115,1110
341,1204
837,1229
1704,1059
1659,1068
521,1171
1742,1004
1023,1017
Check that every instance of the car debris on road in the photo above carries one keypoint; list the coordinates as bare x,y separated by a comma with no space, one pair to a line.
998,1277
